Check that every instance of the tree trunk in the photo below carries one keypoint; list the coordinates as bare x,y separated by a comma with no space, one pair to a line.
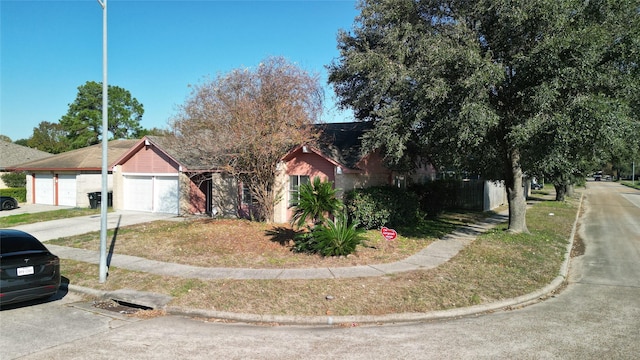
268,206
561,191
570,190
516,197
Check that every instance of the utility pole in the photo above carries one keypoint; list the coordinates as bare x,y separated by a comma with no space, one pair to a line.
105,140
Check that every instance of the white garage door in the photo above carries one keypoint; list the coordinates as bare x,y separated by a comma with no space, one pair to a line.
165,195
67,190
44,189
151,193
138,193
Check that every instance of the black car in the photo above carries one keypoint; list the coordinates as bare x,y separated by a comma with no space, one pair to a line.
28,270
8,203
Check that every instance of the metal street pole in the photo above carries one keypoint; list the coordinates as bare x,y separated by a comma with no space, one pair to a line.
105,135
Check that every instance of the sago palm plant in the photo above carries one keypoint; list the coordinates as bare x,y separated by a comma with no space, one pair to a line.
337,237
317,202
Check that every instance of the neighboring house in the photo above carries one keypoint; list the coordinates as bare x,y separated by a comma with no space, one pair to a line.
13,154
67,178
154,176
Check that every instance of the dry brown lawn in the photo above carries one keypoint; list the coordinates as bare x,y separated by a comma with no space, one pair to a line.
243,243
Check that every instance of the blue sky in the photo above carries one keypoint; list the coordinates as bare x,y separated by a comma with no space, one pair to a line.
156,48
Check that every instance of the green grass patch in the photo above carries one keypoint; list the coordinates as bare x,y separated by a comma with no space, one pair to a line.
30,218
635,185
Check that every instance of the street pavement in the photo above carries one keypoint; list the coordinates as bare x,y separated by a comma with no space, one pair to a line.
432,256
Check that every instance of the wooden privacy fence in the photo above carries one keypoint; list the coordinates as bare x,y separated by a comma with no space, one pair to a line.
479,195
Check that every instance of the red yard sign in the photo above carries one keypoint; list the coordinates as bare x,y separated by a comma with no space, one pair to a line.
389,234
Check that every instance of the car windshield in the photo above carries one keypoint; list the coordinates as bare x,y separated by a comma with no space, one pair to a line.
11,244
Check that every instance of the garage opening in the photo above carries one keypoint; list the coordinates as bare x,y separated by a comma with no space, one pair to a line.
152,193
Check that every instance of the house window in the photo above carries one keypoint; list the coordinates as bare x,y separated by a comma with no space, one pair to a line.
247,197
294,187
400,181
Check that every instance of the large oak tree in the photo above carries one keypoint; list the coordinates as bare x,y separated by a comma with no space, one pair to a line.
496,86
244,121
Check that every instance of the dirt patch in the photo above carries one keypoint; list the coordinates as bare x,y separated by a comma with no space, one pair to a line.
578,247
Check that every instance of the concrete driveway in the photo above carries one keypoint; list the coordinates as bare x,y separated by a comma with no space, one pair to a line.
55,229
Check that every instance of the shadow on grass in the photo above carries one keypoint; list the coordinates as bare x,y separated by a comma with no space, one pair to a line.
539,199
429,228
438,227
282,235
112,246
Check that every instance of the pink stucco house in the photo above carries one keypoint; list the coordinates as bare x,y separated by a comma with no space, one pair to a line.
66,179
337,157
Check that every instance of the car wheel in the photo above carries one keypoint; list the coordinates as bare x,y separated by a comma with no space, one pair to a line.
7,205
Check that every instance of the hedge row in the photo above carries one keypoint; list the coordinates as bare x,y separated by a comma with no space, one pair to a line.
19,194
14,180
375,207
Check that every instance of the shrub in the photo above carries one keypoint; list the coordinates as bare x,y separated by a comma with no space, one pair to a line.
436,196
19,194
337,237
364,210
14,180
374,207
304,243
317,202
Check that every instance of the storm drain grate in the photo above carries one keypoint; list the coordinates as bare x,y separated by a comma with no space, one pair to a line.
121,307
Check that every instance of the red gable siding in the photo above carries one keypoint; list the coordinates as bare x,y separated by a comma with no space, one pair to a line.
312,165
150,160
373,164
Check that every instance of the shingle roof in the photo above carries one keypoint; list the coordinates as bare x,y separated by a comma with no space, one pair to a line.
190,157
12,154
88,158
342,142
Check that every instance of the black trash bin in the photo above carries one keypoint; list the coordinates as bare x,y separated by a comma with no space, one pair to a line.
95,199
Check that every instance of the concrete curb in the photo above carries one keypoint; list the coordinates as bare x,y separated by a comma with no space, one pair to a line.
373,319
161,300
